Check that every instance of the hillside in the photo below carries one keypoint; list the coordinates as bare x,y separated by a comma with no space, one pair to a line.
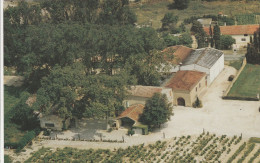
155,11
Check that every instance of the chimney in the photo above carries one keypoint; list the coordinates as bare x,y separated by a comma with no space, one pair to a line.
225,24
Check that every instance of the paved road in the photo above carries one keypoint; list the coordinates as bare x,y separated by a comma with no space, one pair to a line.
234,57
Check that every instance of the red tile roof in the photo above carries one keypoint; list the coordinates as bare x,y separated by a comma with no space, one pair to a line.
179,52
236,29
133,112
144,91
185,80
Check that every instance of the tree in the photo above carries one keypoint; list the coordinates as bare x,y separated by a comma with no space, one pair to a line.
169,21
199,33
157,110
116,12
226,42
216,36
23,114
253,49
180,4
211,37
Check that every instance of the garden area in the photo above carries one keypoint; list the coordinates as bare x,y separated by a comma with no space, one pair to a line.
203,148
247,84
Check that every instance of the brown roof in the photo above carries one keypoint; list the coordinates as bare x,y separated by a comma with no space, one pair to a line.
185,80
144,91
236,29
179,52
133,112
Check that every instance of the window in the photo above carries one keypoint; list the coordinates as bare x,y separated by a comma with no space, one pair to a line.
49,124
199,85
245,34
243,39
196,89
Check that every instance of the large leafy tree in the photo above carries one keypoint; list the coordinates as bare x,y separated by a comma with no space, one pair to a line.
169,21
116,12
157,110
69,92
226,42
23,114
199,33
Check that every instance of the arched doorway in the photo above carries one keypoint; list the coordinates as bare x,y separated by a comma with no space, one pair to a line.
181,101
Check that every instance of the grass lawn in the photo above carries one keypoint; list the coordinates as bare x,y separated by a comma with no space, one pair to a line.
236,64
12,132
248,83
154,12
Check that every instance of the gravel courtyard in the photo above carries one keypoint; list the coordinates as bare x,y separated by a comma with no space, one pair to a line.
230,117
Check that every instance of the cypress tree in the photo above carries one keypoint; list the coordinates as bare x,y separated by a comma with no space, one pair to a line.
216,36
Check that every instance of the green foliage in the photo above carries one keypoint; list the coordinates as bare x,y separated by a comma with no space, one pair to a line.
197,103
226,42
185,39
243,19
253,49
200,34
169,21
216,36
157,111
23,114
7,159
254,140
238,151
27,138
180,4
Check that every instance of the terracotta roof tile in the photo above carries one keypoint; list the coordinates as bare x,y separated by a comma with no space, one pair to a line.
144,91
185,80
179,52
133,112
236,29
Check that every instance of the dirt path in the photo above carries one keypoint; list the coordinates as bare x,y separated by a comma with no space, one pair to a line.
16,81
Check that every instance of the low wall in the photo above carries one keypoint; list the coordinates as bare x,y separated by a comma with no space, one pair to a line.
234,80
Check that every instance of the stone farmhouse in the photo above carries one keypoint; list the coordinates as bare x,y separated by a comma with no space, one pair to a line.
241,33
187,86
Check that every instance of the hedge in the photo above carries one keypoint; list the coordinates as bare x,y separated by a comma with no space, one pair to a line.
24,141
239,98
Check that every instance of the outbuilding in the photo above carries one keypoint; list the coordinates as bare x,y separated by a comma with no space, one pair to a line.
187,86
208,60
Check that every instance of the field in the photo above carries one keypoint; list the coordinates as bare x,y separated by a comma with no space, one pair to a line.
203,148
248,83
12,131
154,12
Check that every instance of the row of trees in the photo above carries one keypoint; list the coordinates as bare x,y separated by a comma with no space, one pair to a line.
215,39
